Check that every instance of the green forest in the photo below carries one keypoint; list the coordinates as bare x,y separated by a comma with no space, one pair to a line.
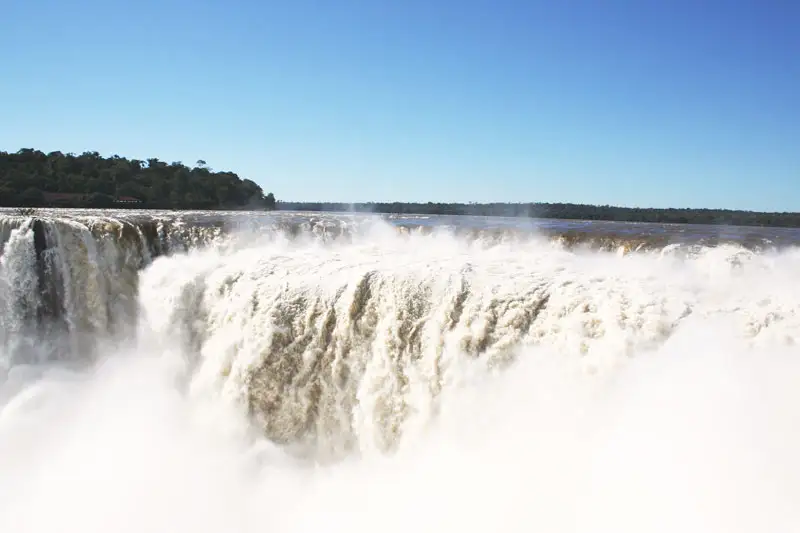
563,211
31,178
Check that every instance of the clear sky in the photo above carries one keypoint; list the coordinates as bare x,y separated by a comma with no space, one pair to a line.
641,102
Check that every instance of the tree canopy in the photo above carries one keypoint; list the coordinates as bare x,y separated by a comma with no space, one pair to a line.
32,178
562,211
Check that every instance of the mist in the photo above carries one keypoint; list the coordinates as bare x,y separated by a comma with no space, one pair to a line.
488,386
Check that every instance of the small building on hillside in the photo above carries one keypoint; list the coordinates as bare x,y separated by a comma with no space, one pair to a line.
127,200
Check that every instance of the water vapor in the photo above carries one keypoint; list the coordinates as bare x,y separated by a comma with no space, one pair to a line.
401,382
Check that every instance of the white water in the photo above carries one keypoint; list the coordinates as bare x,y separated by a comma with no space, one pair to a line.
647,393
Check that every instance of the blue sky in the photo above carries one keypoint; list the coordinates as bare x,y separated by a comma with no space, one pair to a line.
639,102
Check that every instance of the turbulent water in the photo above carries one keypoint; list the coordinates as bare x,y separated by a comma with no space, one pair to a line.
293,372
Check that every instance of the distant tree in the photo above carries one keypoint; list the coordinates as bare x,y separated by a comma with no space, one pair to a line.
564,211
30,197
100,200
132,189
7,195
91,180
269,201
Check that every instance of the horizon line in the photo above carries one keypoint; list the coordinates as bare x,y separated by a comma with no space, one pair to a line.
542,203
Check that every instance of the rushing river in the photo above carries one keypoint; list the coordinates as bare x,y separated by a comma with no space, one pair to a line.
280,372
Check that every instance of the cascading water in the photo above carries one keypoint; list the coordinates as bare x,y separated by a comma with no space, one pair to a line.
71,280
304,373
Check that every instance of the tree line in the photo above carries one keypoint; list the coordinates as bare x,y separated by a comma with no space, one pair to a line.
563,211
31,178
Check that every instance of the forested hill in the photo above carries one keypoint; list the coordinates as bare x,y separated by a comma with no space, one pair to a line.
31,178
563,211
34,179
